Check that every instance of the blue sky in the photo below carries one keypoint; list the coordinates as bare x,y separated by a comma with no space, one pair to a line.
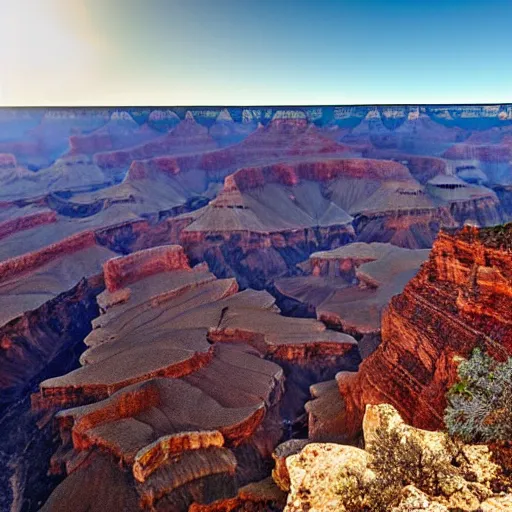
255,52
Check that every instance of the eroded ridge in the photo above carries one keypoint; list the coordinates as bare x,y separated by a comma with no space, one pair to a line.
180,390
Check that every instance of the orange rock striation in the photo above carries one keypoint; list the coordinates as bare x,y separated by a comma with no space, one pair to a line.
124,270
18,223
30,261
459,300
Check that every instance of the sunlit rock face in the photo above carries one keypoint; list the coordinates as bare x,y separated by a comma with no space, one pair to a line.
401,468
459,300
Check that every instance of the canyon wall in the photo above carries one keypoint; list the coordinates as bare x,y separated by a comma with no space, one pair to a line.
459,300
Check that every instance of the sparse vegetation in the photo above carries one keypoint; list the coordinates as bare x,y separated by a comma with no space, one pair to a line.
480,403
498,237
397,460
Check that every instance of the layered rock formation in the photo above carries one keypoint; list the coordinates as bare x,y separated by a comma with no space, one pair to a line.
181,387
187,137
272,217
36,317
79,187
349,286
71,174
121,131
491,150
459,300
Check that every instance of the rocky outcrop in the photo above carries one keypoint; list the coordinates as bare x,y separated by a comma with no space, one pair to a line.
191,414
124,270
458,301
401,469
348,287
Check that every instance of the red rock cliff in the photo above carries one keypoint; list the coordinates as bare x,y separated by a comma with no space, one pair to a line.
460,299
16,224
320,170
127,269
32,260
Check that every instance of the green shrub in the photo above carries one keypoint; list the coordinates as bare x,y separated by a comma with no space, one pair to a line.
480,403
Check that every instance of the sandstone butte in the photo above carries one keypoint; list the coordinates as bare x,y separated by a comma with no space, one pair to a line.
178,399
457,301
284,210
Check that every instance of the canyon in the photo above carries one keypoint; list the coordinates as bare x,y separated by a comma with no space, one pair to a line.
183,289
458,301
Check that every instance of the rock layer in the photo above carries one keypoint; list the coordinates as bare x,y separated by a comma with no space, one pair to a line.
459,300
181,386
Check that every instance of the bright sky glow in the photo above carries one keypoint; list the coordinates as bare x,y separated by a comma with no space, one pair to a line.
254,52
